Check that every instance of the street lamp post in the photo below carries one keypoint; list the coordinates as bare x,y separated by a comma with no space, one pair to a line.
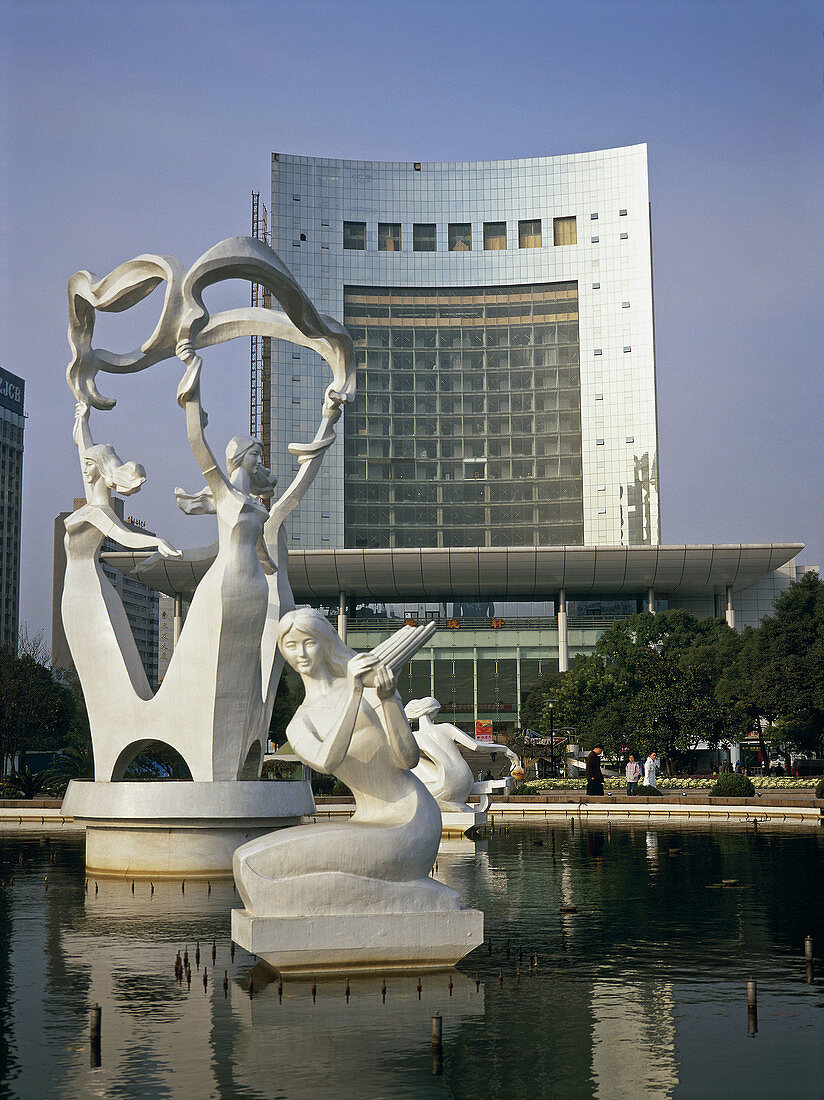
567,732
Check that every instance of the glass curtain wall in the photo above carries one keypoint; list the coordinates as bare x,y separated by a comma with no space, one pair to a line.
467,426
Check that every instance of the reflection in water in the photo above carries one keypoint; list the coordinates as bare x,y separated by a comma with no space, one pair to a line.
640,991
633,1039
361,1045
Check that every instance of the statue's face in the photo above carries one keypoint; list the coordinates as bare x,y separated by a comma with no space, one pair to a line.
91,471
303,652
252,459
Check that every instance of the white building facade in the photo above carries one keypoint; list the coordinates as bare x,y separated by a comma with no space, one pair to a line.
503,319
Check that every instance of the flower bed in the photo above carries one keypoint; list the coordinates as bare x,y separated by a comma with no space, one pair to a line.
685,783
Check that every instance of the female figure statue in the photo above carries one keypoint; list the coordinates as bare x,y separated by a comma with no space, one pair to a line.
351,724
237,605
215,701
446,774
97,629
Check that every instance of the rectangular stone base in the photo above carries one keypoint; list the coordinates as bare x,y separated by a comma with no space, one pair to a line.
457,824
363,943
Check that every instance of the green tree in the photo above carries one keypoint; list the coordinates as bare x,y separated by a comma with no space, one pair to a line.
778,678
652,683
35,709
75,760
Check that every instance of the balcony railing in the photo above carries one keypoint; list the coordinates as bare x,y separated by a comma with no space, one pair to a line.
498,623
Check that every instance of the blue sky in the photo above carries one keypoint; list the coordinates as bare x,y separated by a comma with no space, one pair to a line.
143,126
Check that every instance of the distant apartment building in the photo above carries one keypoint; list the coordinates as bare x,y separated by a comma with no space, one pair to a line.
12,423
140,602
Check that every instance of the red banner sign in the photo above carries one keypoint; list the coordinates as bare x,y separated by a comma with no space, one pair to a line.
483,730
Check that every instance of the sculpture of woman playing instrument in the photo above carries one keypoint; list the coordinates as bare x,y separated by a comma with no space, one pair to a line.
351,724
215,701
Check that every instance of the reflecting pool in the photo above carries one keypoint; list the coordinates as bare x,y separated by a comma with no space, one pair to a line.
616,965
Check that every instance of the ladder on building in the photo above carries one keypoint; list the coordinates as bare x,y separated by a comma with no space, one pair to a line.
261,350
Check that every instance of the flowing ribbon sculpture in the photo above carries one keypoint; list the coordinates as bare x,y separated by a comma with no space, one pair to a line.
216,699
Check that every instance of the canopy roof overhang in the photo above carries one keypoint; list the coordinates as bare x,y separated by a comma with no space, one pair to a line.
522,573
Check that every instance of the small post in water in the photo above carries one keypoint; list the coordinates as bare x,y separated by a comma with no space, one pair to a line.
436,1046
752,1007
94,1035
808,949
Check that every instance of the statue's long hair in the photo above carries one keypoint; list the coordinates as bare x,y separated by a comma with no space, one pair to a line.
123,477
313,624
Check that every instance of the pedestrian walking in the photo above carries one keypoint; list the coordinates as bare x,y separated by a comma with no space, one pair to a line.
595,777
633,773
651,771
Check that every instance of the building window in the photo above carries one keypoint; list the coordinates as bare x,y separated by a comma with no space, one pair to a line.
598,351
593,217
596,286
494,236
602,511
354,235
627,348
565,230
485,416
599,442
622,213
624,305
624,236
599,397
594,240
602,488
630,439
460,237
529,234
389,237
424,238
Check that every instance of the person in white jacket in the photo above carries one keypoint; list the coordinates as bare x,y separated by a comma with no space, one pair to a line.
633,774
651,770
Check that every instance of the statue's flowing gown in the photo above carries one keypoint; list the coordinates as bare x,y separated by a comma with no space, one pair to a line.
384,853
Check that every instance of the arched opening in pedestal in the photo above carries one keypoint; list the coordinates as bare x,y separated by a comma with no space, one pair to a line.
251,765
150,760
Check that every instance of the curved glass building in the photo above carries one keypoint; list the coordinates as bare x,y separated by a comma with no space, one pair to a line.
502,314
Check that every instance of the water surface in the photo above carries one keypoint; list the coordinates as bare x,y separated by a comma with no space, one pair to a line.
639,992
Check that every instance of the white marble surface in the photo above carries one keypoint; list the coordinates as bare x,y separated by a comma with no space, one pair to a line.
381,943
442,768
215,701
355,894
178,829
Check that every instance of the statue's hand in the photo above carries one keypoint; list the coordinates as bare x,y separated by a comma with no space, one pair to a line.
166,550
81,411
384,681
358,669
191,379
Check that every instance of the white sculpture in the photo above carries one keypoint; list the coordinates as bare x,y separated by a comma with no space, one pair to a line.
373,868
351,724
442,768
216,699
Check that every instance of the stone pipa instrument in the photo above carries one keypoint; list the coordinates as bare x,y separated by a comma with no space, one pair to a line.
403,645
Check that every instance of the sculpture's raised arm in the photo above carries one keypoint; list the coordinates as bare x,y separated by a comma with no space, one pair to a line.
310,457
188,397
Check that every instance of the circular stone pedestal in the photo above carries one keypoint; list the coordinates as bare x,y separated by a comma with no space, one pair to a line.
179,829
